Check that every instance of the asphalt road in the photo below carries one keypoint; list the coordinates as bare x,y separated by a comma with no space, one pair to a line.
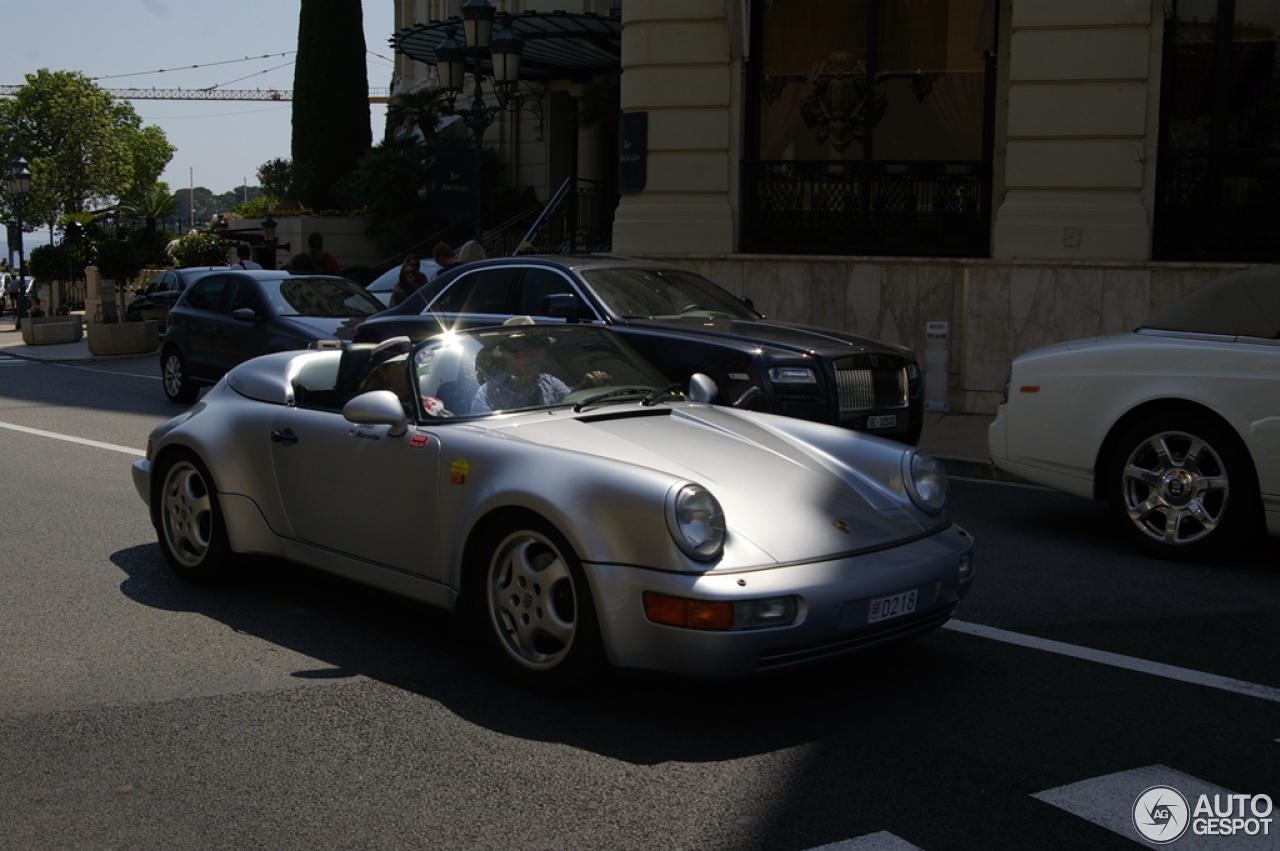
294,710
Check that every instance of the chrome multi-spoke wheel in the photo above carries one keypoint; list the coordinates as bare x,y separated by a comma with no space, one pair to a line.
177,386
191,529
537,606
1182,484
1175,488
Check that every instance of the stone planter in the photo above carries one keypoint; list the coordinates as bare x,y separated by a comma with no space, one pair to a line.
48,330
124,338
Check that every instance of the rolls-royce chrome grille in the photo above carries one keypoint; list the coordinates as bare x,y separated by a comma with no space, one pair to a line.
867,389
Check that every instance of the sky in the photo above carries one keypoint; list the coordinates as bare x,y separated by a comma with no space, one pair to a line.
125,43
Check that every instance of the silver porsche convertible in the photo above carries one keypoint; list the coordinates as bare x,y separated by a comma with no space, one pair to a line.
552,484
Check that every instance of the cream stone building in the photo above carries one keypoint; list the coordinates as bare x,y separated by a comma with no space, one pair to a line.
1027,171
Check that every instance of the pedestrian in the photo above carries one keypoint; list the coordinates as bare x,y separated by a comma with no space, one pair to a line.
15,293
444,255
243,252
411,278
325,262
470,250
303,264
4,283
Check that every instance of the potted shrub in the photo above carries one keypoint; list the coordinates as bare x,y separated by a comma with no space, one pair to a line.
50,263
118,263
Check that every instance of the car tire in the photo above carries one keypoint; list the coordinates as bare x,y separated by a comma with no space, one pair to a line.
533,606
1183,486
189,521
178,385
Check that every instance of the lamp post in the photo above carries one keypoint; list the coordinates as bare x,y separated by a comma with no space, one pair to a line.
269,234
503,50
19,186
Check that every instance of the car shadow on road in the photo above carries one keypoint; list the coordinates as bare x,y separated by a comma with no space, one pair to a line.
641,718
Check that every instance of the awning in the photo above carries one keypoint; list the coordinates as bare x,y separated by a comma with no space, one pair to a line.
557,45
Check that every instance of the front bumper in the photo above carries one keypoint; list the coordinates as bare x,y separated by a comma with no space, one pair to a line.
836,597
141,471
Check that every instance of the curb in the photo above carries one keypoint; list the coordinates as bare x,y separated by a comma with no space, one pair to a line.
977,468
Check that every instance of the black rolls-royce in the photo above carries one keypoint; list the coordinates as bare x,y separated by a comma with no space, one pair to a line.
682,323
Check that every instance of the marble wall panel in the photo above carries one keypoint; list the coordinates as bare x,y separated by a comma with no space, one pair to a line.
1078,303
826,287
986,331
1032,308
1166,288
760,284
1126,296
794,288
899,303
935,303
863,289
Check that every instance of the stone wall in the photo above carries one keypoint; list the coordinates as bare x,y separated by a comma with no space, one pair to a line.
996,309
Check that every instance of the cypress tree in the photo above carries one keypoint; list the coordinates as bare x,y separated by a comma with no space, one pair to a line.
330,100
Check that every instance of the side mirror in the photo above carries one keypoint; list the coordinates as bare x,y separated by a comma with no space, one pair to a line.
564,306
748,302
377,407
244,314
702,388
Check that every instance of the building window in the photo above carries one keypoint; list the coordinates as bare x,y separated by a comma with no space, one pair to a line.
1218,168
856,160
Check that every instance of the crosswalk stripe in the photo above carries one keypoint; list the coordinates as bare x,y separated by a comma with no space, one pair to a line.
1131,663
882,841
1108,802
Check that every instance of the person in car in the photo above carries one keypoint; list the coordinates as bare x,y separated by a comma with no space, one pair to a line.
520,382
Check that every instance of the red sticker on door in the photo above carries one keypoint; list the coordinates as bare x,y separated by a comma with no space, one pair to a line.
418,441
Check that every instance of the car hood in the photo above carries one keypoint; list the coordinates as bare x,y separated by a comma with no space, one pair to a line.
324,327
802,338
783,495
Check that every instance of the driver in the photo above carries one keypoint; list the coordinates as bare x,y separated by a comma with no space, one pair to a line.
520,382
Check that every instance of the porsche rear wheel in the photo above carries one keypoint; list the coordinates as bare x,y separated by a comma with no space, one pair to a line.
535,606
189,523
1183,487
178,386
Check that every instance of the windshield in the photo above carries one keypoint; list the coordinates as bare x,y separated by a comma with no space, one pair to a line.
663,293
525,367
320,297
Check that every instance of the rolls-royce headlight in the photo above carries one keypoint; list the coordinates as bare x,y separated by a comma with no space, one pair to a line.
926,481
792,375
696,521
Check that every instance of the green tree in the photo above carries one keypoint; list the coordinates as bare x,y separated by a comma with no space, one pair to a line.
418,110
85,149
330,100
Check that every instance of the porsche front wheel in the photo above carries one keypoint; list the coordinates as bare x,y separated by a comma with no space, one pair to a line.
189,523
1183,487
535,607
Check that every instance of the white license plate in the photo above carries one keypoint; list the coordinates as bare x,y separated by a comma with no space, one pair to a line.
888,421
893,606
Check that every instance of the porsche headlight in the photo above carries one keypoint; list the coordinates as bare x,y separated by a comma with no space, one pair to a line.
926,481
696,521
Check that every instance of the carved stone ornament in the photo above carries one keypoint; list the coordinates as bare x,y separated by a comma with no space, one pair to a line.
835,100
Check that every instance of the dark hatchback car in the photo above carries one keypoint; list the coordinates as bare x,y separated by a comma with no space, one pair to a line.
161,294
226,318
683,324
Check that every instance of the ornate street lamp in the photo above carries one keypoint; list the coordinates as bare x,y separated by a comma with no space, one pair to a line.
503,50
19,186
269,234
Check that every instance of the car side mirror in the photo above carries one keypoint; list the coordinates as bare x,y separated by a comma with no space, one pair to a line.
377,407
748,302
244,314
562,306
702,388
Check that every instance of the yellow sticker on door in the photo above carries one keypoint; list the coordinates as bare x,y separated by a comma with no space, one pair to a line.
458,472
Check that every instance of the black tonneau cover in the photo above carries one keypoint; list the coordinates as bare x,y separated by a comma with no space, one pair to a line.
1244,304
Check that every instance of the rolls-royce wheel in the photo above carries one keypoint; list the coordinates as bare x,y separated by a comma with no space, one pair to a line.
178,386
192,532
535,608
1183,487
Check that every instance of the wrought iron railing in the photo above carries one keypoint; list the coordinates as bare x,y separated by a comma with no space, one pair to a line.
856,207
578,218
1217,205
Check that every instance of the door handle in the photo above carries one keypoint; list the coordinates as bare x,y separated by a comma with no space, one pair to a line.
285,436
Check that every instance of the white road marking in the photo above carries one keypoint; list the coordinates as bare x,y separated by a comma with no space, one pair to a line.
882,841
1108,802
1131,663
128,450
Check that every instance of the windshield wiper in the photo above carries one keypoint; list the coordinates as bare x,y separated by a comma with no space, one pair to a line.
669,390
600,397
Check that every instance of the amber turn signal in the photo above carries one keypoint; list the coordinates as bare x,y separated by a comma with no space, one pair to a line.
691,614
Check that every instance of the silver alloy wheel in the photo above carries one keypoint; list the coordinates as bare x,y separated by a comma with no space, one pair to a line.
532,600
173,374
186,513
1175,488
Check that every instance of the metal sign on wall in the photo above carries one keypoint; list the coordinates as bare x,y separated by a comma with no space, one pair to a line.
454,174
633,151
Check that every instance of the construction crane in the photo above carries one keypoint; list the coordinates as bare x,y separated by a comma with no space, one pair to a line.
375,95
